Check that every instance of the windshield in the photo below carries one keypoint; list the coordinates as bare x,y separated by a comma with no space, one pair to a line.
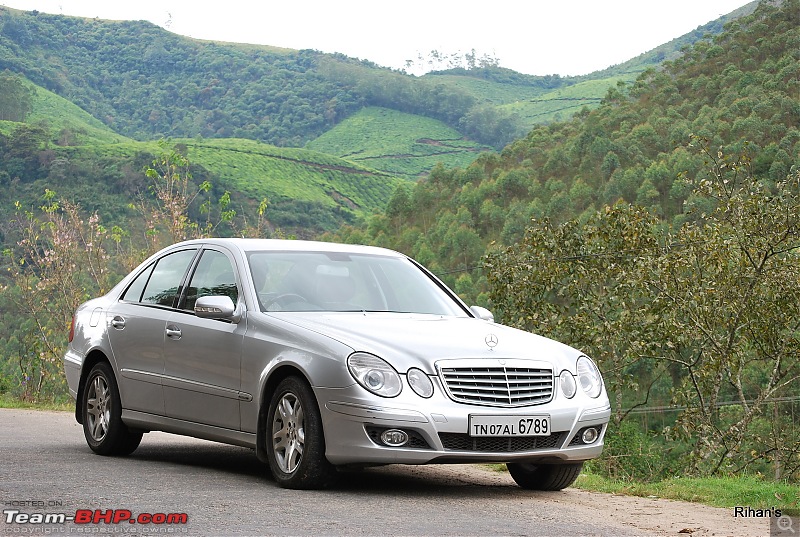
331,281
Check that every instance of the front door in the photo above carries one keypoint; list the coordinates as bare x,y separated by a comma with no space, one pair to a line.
202,375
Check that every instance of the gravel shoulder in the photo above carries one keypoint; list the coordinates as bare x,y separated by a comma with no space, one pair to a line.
651,516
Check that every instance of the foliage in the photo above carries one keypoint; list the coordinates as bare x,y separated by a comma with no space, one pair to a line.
174,194
727,299
15,97
59,260
631,453
581,282
9,401
712,307
61,257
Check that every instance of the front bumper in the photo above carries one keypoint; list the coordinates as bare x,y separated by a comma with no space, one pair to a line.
438,428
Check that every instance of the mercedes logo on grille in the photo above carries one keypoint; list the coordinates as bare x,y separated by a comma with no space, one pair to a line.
491,341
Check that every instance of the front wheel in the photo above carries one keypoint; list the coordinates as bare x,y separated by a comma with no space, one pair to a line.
101,410
544,476
295,439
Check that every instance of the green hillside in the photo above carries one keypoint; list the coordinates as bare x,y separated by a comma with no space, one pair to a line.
739,91
60,146
397,143
109,83
259,170
487,84
147,83
309,192
563,103
72,123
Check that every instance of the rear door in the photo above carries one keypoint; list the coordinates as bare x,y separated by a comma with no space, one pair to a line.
137,327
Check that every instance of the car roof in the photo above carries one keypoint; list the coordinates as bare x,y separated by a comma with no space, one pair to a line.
253,245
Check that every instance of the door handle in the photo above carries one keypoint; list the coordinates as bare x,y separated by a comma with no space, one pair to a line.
118,322
173,332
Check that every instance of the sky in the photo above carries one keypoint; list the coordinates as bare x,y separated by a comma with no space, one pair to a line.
537,37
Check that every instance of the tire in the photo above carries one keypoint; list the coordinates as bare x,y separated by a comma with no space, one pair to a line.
544,476
101,410
295,441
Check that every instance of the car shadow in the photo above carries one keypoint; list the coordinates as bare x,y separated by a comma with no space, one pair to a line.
202,454
174,454
397,479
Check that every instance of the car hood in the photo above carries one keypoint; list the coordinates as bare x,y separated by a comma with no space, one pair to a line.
416,340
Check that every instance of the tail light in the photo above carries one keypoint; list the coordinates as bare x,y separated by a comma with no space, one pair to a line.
72,330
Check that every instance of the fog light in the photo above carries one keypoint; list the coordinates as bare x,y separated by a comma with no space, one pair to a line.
590,434
394,437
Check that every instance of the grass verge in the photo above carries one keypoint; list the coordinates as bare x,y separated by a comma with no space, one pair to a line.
9,401
727,492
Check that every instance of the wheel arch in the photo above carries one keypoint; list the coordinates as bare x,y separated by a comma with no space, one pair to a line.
275,378
92,359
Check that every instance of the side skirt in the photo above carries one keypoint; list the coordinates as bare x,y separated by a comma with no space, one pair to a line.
151,422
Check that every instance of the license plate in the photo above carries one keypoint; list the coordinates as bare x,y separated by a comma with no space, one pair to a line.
509,425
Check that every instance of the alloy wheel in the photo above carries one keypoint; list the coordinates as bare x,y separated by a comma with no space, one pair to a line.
288,433
98,408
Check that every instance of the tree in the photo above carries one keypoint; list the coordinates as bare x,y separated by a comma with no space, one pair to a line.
727,299
582,283
61,256
175,194
715,304
16,97
60,260
20,157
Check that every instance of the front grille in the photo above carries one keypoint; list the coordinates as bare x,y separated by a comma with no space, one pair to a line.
498,385
499,444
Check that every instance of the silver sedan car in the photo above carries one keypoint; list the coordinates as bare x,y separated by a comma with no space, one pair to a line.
320,356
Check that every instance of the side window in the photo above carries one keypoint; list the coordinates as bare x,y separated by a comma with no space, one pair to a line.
134,291
166,278
213,276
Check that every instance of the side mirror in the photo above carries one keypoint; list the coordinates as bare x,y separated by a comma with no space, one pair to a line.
216,307
482,313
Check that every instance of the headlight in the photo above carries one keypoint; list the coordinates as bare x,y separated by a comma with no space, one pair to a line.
568,386
374,374
420,382
589,377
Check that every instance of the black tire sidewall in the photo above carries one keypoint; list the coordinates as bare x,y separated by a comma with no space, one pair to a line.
314,471
550,477
118,439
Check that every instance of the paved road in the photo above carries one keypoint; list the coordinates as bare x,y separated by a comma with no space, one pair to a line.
46,467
